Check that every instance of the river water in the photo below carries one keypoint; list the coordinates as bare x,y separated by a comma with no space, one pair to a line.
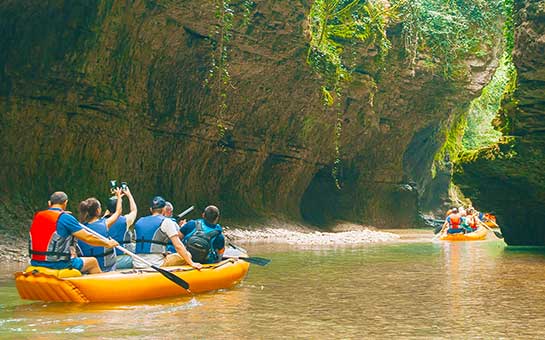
412,288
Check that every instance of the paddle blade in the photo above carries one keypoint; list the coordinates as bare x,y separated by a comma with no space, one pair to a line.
498,235
180,282
260,261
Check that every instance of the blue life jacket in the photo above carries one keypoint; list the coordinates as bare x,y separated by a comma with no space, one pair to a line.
104,256
118,231
200,242
149,238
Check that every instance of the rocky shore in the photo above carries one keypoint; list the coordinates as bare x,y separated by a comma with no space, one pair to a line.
344,234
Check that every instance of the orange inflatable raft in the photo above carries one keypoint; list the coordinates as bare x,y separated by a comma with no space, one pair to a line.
479,234
38,283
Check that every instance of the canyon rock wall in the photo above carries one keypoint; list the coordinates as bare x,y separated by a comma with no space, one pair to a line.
98,90
509,178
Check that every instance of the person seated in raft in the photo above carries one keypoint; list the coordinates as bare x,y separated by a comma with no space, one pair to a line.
153,234
167,212
464,220
471,219
204,237
54,231
121,230
453,221
90,214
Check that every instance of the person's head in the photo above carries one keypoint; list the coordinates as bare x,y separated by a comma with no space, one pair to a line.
59,199
169,208
454,210
112,204
157,204
89,209
211,214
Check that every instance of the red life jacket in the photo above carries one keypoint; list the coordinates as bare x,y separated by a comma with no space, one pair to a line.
45,243
454,221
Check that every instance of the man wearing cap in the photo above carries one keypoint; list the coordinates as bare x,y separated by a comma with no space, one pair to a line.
52,234
153,234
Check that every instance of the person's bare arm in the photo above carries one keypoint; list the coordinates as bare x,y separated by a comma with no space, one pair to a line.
93,240
118,208
180,249
131,216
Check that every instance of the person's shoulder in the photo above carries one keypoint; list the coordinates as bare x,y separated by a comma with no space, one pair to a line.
188,227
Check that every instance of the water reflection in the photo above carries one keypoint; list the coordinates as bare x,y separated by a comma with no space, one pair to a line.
404,289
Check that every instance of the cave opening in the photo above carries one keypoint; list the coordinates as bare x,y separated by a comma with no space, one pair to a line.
319,202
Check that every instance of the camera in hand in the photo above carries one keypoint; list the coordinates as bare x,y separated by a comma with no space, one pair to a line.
114,185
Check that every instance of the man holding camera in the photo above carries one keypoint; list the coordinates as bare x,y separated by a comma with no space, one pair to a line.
52,234
153,234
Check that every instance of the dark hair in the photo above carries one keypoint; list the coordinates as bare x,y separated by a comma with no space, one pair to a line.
211,214
88,209
58,197
112,204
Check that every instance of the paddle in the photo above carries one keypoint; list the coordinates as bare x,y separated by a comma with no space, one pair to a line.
260,261
185,212
439,233
498,235
179,281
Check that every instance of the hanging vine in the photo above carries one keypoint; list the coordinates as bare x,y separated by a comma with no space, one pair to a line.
218,79
332,25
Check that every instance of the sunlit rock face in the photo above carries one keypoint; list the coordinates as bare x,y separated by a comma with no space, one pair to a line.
98,90
509,179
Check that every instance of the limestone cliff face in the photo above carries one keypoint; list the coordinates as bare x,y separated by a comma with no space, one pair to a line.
509,178
97,90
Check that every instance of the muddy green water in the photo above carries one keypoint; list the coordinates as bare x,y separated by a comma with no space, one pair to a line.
413,288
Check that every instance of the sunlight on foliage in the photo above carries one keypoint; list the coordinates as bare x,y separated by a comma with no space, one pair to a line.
447,33
479,131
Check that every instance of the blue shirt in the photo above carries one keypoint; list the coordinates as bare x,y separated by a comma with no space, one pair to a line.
219,241
67,224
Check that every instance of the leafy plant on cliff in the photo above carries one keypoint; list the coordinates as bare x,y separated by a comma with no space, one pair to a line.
447,33
479,131
334,24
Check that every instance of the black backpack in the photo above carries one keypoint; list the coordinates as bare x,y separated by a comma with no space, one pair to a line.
200,244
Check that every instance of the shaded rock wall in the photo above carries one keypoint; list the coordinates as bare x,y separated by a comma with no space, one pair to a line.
97,90
509,179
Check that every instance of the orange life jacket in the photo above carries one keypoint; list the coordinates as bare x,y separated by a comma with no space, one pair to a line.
45,243
455,221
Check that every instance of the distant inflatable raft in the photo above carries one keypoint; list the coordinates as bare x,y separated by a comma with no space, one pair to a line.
38,283
479,234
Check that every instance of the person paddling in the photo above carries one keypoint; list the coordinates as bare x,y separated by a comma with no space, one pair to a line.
204,237
54,231
90,215
153,234
121,229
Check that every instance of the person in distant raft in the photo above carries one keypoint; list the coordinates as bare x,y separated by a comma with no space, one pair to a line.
120,230
153,234
52,234
204,238
90,215
453,221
